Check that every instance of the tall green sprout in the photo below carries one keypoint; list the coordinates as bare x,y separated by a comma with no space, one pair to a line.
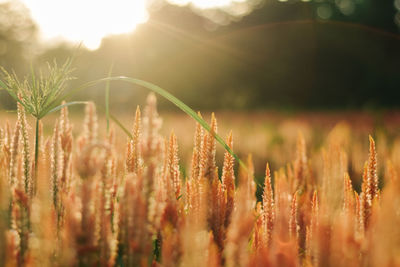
38,93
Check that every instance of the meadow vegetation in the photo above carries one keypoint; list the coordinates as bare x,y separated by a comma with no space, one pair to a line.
89,198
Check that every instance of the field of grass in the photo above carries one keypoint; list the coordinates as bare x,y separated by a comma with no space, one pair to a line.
314,190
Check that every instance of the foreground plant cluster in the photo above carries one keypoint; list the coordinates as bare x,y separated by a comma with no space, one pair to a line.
89,202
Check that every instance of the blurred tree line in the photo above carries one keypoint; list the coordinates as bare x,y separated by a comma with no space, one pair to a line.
294,54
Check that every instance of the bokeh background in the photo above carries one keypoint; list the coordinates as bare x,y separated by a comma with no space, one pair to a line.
229,55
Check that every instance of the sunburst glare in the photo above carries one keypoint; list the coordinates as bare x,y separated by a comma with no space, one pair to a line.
88,22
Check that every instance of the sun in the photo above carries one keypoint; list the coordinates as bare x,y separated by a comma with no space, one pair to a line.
86,21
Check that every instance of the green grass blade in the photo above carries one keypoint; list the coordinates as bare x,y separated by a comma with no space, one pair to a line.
180,105
152,87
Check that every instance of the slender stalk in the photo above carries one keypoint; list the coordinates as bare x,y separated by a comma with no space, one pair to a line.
36,157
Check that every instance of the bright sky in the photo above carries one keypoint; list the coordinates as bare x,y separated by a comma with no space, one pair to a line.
88,21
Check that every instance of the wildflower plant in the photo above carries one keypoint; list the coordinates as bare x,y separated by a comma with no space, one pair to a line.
138,209
40,93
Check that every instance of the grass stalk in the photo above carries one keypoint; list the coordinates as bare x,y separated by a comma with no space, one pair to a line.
34,178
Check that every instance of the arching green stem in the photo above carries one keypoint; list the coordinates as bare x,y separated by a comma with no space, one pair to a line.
185,108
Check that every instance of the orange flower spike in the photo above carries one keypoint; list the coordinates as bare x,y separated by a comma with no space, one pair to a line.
268,206
348,201
300,164
151,126
133,147
228,180
56,166
365,199
293,223
372,170
207,157
198,138
173,165
249,180
66,147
